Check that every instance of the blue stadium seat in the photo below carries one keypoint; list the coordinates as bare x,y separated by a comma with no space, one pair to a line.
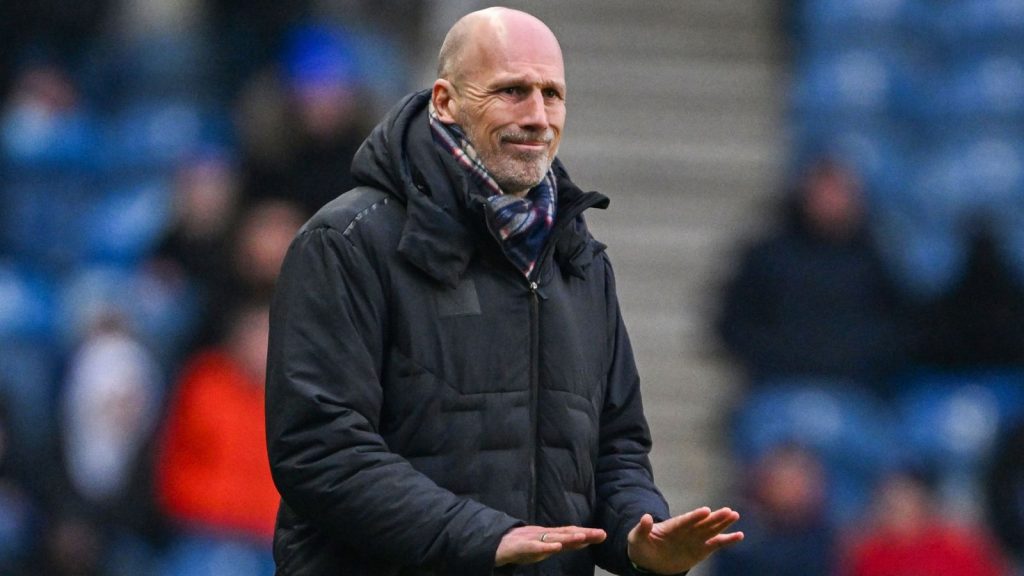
845,425
926,257
923,225
950,423
827,20
863,81
986,89
968,174
876,151
160,305
124,224
150,136
26,303
980,25
217,556
31,140
953,420
48,169
118,71
39,215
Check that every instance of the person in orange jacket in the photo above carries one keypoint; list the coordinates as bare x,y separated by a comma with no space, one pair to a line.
213,475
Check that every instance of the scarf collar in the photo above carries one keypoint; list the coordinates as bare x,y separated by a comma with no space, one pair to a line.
520,225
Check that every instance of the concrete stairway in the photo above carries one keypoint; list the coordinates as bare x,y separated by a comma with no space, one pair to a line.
673,112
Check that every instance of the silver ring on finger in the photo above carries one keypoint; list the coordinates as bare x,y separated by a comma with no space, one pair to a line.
544,537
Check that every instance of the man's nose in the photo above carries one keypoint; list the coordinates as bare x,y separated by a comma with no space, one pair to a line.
534,111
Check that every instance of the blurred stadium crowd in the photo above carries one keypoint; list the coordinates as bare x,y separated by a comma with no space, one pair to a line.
156,158
880,322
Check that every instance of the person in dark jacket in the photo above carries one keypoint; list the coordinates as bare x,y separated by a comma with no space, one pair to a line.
450,387
813,299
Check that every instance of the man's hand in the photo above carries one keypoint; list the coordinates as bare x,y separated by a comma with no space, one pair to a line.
530,544
679,543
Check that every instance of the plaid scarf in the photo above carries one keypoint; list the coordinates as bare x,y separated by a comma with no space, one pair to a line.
521,225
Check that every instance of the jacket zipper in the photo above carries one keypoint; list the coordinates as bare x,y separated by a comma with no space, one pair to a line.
573,210
534,396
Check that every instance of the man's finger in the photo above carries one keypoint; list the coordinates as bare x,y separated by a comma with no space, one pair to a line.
576,537
564,537
587,533
579,541
684,521
530,551
718,521
723,540
543,548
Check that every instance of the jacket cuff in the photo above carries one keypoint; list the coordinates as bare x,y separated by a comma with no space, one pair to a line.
480,562
638,571
635,570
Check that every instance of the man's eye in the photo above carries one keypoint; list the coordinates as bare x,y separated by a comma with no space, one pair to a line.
552,93
512,90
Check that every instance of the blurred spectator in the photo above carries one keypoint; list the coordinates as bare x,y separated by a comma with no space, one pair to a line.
46,144
784,519
205,206
813,298
54,28
1005,492
39,105
980,322
197,245
205,211
907,535
248,270
111,400
264,233
112,397
213,475
301,128
103,105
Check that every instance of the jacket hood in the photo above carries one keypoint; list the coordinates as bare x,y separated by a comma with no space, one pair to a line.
445,215
399,149
399,157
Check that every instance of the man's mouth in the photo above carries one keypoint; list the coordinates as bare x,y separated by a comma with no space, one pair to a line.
528,142
531,145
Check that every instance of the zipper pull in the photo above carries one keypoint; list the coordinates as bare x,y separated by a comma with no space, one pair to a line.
536,291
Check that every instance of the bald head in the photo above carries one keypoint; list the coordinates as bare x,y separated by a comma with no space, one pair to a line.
485,32
502,79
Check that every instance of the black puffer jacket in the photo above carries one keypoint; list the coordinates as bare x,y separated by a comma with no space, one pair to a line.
423,398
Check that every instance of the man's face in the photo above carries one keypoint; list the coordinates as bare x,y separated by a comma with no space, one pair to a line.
512,107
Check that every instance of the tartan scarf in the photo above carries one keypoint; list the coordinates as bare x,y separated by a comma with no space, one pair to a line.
521,225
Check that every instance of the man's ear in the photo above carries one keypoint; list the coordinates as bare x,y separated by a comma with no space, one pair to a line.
444,99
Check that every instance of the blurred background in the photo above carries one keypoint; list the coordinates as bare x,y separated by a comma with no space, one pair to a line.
817,224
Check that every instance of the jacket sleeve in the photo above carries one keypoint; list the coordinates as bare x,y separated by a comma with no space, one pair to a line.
625,481
324,397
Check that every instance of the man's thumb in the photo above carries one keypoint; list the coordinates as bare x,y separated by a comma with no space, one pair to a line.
645,526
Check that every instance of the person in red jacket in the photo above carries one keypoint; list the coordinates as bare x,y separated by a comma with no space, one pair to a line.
908,536
213,475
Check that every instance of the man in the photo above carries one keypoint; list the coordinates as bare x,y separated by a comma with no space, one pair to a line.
451,389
